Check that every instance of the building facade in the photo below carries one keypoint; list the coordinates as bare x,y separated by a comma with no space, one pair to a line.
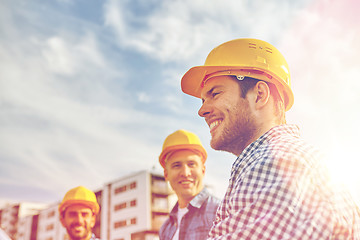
17,220
135,205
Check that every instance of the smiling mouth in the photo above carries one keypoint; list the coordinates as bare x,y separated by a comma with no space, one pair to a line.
185,182
214,124
77,229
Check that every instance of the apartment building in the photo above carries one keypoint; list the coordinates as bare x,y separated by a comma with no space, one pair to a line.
27,228
49,226
135,206
10,216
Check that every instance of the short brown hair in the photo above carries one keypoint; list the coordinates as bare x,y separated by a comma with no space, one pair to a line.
248,83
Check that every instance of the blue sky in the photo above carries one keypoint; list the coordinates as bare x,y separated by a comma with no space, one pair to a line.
90,89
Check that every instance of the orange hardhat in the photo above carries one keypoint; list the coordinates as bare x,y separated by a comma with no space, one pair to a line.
181,140
243,57
79,195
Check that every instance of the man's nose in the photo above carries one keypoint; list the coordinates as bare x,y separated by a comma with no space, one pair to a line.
204,110
78,217
185,170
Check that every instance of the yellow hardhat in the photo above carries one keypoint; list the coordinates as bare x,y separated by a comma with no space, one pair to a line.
79,195
180,140
243,57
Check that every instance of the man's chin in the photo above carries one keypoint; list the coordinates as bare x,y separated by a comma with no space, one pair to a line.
77,235
188,193
216,144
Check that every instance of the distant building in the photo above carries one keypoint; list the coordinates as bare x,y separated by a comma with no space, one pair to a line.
10,216
49,226
27,228
135,205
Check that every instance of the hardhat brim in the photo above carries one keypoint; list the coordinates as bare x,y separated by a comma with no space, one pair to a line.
93,206
190,147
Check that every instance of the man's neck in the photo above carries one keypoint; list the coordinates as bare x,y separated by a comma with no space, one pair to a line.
88,237
184,202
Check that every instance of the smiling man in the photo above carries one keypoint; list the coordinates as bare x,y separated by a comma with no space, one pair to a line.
183,159
78,211
279,187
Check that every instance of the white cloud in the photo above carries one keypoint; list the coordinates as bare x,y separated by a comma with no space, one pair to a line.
70,57
180,30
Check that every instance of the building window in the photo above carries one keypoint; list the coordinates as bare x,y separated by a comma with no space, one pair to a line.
49,227
51,214
120,224
124,223
133,203
123,205
120,206
125,187
132,185
120,189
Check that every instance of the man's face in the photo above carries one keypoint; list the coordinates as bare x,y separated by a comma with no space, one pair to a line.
78,221
185,171
228,115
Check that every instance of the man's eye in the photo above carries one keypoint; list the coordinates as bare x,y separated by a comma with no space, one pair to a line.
192,164
214,94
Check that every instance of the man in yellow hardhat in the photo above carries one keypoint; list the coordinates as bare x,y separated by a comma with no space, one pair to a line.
183,159
279,187
78,211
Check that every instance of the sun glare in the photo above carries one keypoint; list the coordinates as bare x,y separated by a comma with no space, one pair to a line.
345,170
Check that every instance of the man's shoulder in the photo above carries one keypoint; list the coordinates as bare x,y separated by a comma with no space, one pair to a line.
211,202
284,142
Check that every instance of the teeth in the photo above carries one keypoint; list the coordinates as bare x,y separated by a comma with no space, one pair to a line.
214,124
185,182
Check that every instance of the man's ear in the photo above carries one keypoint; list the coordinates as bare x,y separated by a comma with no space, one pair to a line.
93,221
62,219
165,174
262,92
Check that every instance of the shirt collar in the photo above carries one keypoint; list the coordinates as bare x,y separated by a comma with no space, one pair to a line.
199,199
274,132
196,202
93,237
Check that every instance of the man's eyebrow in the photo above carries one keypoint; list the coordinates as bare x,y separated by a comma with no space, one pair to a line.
212,89
175,163
210,92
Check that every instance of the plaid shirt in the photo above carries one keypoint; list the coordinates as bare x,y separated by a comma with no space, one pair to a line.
196,223
279,189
